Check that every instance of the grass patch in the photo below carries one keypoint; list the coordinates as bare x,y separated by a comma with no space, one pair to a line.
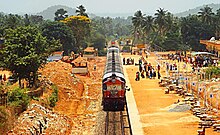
54,96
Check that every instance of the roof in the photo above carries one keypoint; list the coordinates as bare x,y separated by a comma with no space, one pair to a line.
79,61
201,53
54,58
211,42
89,49
214,44
58,53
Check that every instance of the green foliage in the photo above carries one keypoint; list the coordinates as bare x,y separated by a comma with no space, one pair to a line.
3,116
81,11
54,96
102,53
18,98
193,29
174,33
36,98
108,27
98,41
213,71
60,14
25,50
126,48
80,26
59,31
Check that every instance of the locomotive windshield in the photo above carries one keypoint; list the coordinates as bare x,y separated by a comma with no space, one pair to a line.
114,87
110,50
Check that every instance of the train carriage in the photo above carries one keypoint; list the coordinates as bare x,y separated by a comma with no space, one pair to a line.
113,83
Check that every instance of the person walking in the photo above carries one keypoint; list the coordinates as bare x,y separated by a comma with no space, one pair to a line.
4,77
137,76
124,61
151,74
158,75
142,74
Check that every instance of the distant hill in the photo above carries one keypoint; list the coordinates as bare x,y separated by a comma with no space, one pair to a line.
49,13
197,9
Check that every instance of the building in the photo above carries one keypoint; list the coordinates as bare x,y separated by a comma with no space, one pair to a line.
55,56
79,66
90,53
212,46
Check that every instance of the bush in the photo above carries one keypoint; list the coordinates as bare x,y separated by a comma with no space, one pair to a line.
213,71
126,49
54,96
102,53
3,116
18,98
36,98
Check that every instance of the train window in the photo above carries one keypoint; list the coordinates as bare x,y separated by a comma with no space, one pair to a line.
104,87
114,87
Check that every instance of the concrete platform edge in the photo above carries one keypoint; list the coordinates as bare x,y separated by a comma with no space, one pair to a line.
136,125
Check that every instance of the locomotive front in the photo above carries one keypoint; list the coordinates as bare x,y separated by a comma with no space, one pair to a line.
113,83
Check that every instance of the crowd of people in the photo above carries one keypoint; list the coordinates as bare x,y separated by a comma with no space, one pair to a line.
199,60
128,61
146,70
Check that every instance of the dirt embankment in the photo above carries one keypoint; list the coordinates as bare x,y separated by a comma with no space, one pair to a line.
79,101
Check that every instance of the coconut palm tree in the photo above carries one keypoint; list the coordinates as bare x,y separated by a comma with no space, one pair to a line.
60,14
161,20
81,11
148,25
206,14
217,23
137,21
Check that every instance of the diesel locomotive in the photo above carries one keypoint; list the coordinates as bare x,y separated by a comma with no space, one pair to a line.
113,82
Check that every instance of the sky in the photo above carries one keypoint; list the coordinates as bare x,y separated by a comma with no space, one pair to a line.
103,6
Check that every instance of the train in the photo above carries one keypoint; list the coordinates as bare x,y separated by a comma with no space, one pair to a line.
113,81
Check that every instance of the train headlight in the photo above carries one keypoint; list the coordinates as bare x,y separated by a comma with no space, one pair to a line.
113,80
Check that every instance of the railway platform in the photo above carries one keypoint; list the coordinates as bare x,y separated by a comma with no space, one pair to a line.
136,124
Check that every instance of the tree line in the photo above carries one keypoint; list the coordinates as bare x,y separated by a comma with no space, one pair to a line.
173,33
29,39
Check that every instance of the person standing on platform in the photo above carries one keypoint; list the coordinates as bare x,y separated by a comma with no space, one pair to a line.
142,74
137,76
158,75
124,61
158,67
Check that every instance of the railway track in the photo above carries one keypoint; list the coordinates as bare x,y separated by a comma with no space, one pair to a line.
118,123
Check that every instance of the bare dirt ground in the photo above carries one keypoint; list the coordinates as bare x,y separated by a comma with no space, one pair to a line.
79,101
153,106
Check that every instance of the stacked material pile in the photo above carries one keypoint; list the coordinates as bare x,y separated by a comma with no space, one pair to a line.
38,119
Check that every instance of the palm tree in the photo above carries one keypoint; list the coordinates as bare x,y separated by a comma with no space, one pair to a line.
81,11
161,20
137,21
217,23
60,14
206,14
148,25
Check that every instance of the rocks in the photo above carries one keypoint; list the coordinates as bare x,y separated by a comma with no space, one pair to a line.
39,119
180,108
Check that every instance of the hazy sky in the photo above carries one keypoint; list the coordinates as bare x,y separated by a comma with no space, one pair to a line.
103,6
